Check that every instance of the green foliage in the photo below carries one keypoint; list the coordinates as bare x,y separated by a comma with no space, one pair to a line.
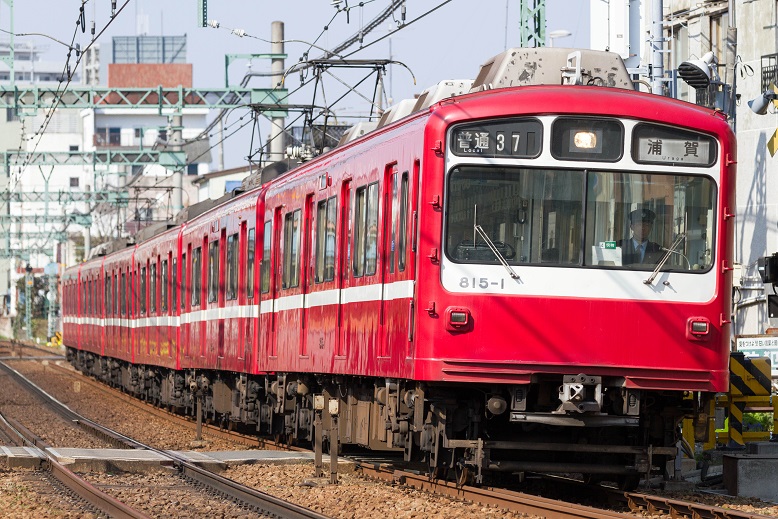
757,421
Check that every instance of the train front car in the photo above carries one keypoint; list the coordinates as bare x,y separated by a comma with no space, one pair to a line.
574,286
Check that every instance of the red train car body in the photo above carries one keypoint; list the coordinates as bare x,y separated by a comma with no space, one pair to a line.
463,281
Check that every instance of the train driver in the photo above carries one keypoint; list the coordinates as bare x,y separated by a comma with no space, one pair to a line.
639,249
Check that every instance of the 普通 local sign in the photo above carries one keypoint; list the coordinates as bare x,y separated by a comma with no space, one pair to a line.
760,346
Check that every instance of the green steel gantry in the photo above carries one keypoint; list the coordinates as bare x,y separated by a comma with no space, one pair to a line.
533,23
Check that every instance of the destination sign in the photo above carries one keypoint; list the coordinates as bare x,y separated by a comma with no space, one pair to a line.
653,144
515,138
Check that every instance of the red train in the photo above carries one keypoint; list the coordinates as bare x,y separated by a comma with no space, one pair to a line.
534,275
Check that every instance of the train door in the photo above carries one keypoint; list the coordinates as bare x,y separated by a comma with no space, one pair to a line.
389,223
275,281
408,236
266,296
306,277
343,267
323,315
220,295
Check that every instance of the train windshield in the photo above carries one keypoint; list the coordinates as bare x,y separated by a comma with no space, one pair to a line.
575,217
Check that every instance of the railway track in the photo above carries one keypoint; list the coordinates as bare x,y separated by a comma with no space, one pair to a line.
245,496
639,503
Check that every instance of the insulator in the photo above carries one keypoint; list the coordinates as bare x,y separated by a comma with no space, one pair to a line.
214,23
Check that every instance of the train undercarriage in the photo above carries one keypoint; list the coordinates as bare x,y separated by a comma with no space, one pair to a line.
570,424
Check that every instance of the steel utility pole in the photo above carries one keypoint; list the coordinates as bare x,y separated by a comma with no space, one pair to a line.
276,151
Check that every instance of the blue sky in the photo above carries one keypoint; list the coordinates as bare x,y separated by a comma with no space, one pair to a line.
449,43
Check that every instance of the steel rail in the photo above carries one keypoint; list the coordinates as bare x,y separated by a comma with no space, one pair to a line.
261,501
79,486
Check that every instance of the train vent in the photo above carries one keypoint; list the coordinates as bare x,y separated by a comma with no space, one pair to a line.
357,131
443,90
396,112
553,66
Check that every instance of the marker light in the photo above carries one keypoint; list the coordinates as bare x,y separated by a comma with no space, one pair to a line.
585,140
698,328
458,319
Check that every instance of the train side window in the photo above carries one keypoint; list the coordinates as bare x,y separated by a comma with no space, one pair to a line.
329,248
394,204
360,207
124,294
371,238
117,298
196,276
153,288
291,274
321,219
183,281
326,219
174,287
251,247
403,227
264,268
232,266
164,279
213,271
142,292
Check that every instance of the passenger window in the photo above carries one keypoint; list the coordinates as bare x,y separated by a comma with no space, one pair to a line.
291,274
321,223
165,280
403,227
366,230
232,266
142,292
174,287
265,264
213,271
124,294
196,276
183,281
153,289
250,253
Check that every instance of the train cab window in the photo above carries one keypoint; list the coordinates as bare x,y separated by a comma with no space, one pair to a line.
264,268
251,248
326,216
291,268
525,215
164,286
640,220
213,271
153,288
196,275
402,245
365,230
232,267
142,291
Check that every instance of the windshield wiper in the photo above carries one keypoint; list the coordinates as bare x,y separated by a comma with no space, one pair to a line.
495,251
678,239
